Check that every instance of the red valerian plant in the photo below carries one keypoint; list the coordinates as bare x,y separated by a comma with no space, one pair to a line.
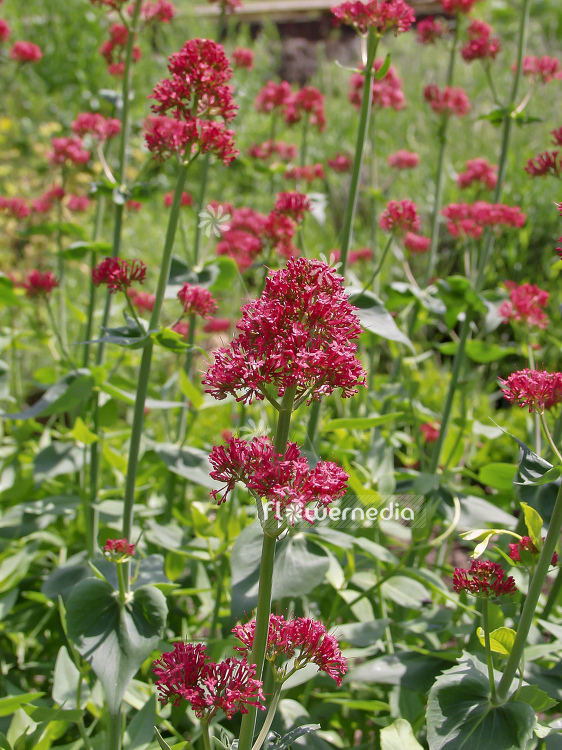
186,199
142,301
114,49
478,171
68,151
525,305
452,100
196,300
542,69
99,127
428,30
303,639
403,159
243,58
459,6
25,52
480,44
470,219
293,204
386,92
547,163
484,578
15,207
118,274
340,163
39,284
400,217
524,551
298,334
537,389
381,15
307,103
417,244
187,673
119,548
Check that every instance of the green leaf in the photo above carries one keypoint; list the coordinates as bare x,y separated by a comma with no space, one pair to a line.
461,716
536,698
56,459
362,423
140,731
375,318
458,295
7,295
66,680
549,476
115,639
11,703
534,524
527,487
359,705
363,634
501,640
70,391
409,669
48,228
285,742
189,390
190,463
399,736
496,116
499,476
79,250
129,336
172,340
478,351
163,744
383,70
82,434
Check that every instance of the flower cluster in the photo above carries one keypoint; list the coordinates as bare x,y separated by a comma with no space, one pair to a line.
400,217
25,52
293,204
480,44
525,305
478,171
275,150
308,173
549,162
304,639
354,256
39,284
429,30
186,199
537,389
217,325
452,100
430,432
228,5
167,137
243,58
416,243
286,481
340,163
78,203
118,274
459,6
68,151
385,92
187,673
196,300
5,30
161,11
298,334
469,219
143,301
119,548
113,50
279,98
15,207
403,159
99,127
381,15
485,579
524,551
542,69
273,97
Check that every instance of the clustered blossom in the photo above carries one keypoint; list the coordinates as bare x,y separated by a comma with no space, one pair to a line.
243,58
15,207
298,334
78,203
525,550
118,274
286,481
196,300
143,301
119,547
469,219
273,96
381,15
187,673
403,159
229,5
480,44
279,98
113,50
537,389
429,30
304,639
186,199
400,217
416,243
162,11
39,284
276,150
459,6
68,150
549,162
542,69
308,173
46,202
99,127
525,305
110,4
484,578
133,206
430,432
385,92
478,171
217,325
340,163
452,100
5,30
25,52
167,137
354,256
293,204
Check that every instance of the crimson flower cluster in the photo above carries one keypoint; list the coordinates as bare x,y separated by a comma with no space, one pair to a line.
525,305
430,432
143,301
537,389
293,204
469,219
525,550
286,481
380,15
99,127
452,100
429,30
547,163
340,163
400,217
243,58
25,52
308,173
275,150
186,199
403,159
119,548
187,673
167,137
480,44
542,69
417,244
39,284
113,50
45,202
217,325
484,578
5,30
298,334
161,11
279,98
78,203
354,256
118,274
478,171
196,300
386,92
229,5
68,151
14,207
304,639
459,6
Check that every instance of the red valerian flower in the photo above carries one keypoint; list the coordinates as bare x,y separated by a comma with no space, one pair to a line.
429,30
480,45
186,199
385,93
416,243
166,137
276,150
382,15
243,58
542,69
39,284
187,673
25,52
549,162
217,325
469,219
161,11
299,334
143,301
244,240
78,203
430,432
309,101
537,389
525,550
196,300
110,4
119,547
114,50
400,217
556,136
293,204
279,230
15,207
525,305
403,159
458,6
134,206
273,96
99,127
308,173
452,100
5,31
354,256
118,274
302,638
478,171
229,5
68,150
485,579
340,163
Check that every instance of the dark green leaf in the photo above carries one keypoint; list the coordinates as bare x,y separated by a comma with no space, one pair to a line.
375,318
56,459
7,295
410,670
67,394
536,698
140,731
190,463
458,295
383,70
12,702
171,340
496,116
478,351
287,740
79,250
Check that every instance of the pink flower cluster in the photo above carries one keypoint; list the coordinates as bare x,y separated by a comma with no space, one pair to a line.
484,578
403,159
275,150
386,93
308,173
459,6
304,639
78,203
340,163
429,30
525,550
14,207
480,44
99,127
381,15
243,58
283,480
478,171
278,97
430,432
113,50
186,199
143,301
40,284
167,137
542,69
187,673
68,151
537,389
470,219
298,334
547,163
5,30
452,100
293,204
354,256
25,52
229,5
400,217
45,203
525,305
416,243
161,11
196,300
119,547
118,274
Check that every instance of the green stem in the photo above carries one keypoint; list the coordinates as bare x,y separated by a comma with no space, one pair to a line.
379,265
304,144
269,718
489,659
58,334
200,206
182,423
115,732
100,207
206,735
91,514
549,437
552,596
61,270
533,594
126,92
